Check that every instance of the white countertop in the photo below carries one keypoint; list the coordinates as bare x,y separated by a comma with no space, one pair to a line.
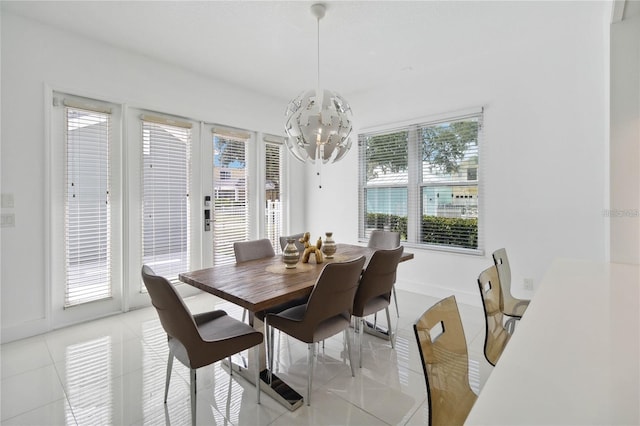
574,358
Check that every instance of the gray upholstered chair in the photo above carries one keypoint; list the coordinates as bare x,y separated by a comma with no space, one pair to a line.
327,312
512,307
252,250
445,361
374,291
379,239
197,340
296,238
496,336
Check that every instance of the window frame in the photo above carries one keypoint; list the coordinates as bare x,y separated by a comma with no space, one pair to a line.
415,184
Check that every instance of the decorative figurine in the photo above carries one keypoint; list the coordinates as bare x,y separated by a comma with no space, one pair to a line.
308,248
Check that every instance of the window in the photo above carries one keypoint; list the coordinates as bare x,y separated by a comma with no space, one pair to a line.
166,157
230,207
422,180
273,198
87,216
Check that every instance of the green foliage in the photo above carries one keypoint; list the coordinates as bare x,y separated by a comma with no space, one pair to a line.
444,146
441,231
450,231
388,152
227,151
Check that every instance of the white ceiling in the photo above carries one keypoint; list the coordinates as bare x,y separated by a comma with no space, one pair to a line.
270,46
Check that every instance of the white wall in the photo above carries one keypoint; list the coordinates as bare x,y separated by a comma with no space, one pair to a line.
542,162
33,56
625,138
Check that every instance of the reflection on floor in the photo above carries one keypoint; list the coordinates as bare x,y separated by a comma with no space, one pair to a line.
112,372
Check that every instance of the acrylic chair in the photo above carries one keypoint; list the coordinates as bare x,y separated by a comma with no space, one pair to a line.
445,361
380,239
513,307
374,291
496,336
197,340
296,238
327,313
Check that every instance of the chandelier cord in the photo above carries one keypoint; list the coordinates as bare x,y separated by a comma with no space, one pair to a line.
318,50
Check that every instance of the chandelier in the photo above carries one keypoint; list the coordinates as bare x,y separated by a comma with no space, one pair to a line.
318,122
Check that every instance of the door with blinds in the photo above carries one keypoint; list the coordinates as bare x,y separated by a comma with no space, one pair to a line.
242,174
162,212
86,272
231,198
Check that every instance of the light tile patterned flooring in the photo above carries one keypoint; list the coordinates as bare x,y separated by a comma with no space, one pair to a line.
112,372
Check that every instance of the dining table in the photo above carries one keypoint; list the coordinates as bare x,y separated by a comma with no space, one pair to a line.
574,358
261,284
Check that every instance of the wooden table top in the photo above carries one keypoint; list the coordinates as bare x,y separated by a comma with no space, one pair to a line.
263,283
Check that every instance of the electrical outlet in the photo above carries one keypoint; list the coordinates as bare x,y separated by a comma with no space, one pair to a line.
8,220
528,284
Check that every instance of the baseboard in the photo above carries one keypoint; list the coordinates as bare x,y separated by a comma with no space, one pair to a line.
24,330
467,298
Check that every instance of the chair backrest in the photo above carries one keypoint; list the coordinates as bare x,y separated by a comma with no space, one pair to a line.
377,279
254,249
296,238
175,317
380,239
445,361
511,306
334,291
501,261
496,336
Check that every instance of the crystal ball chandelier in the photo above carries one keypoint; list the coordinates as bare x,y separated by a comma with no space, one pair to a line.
318,122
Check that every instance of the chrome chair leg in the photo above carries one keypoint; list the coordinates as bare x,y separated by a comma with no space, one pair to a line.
310,361
268,348
169,368
395,299
391,336
256,351
193,396
360,329
347,337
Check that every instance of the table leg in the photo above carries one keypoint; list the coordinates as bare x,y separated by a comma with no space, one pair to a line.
277,389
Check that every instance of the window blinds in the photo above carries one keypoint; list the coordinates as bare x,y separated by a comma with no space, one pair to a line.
230,209
87,206
272,179
166,146
422,180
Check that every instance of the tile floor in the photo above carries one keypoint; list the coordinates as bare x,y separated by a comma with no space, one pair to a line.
112,372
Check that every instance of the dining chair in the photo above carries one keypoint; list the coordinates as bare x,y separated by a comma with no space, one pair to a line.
374,291
198,340
496,336
513,307
445,362
327,312
380,239
252,250
296,238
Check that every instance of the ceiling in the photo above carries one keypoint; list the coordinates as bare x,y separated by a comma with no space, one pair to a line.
270,46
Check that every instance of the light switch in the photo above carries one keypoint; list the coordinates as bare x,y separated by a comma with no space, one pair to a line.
8,220
7,201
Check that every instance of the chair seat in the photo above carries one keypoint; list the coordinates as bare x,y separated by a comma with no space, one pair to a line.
290,321
515,307
282,307
372,306
215,327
